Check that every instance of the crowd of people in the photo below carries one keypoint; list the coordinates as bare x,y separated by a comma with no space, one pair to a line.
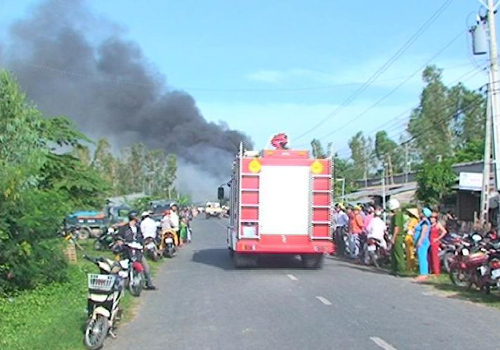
138,229
412,235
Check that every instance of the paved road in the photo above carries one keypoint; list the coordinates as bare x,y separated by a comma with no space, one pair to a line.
203,303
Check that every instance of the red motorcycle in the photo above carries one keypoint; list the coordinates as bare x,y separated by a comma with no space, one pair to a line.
469,266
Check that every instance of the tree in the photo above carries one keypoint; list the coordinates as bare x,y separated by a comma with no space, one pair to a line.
435,181
39,185
317,149
430,123
361,155
387,152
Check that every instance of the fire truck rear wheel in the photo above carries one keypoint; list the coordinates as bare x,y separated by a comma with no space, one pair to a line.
312,261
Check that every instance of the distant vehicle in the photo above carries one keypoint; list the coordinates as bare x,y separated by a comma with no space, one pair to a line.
158,208
213,209
95,223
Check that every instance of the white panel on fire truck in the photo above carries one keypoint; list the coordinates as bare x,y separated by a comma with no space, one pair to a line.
284,200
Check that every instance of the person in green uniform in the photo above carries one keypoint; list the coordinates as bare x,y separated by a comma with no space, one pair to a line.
398,262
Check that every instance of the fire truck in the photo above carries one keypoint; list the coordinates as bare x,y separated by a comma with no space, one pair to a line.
280,203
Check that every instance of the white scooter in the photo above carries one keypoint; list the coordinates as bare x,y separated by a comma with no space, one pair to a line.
105,292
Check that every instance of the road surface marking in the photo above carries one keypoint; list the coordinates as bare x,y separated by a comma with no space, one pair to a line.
382,343
292,277
324,301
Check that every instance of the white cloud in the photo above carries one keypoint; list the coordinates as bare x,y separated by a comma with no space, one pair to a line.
358,74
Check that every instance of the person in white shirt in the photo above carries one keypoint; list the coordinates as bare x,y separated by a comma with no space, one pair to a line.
175,220
148,226
377,228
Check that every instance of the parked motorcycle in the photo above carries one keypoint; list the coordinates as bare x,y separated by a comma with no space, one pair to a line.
103,304
105,239
470,266
448,249
151,249
130,256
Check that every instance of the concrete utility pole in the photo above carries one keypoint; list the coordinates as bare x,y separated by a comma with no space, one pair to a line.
493,107
494,86
485,190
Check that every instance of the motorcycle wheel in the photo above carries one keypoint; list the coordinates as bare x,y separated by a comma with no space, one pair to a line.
97,245
458,278
447,258
96,332
374,259
169,252
136,284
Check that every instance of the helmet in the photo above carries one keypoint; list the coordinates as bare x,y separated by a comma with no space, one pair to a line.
393,204
145,213
132,216
378,212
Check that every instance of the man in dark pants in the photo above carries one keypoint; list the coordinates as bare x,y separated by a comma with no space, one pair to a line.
132,233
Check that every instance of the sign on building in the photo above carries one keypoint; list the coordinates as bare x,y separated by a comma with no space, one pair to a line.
470,181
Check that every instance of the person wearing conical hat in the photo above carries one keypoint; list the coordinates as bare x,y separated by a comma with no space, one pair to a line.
412,222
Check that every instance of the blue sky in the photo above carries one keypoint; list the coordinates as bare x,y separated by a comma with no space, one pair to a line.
285,65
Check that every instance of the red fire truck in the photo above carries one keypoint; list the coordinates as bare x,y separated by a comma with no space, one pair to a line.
280,203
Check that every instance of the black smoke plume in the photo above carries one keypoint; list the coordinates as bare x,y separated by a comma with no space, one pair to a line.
72,62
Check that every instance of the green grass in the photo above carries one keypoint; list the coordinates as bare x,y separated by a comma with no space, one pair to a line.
53,317
443,283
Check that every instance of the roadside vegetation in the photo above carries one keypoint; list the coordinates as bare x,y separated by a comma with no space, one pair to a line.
47,172
54,315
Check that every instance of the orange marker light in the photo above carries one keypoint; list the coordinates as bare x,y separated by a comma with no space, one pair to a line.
254,166
317,167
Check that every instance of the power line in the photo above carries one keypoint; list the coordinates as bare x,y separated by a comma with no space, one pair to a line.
390,93
412,108
383,68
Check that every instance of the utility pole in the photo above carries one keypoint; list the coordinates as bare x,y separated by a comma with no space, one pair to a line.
383,194
406,162
493,106
494,86
485,190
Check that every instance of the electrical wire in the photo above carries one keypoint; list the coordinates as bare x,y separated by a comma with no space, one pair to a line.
382,69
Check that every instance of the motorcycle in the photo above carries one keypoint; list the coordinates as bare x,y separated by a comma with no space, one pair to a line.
376,253
103,303
448,249
151,249
167,245
130,256
469,266
105,239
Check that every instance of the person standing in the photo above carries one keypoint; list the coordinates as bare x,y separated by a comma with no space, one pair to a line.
398,263
357,231
421,240
411,224
437,233
131,232
341,230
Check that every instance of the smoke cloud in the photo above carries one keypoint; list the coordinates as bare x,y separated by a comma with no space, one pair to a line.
72,62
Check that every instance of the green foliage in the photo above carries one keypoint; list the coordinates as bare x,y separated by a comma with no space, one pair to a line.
39,185
435,181
317,149
471,151
361,151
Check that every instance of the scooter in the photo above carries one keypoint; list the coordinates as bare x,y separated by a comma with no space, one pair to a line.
103,303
